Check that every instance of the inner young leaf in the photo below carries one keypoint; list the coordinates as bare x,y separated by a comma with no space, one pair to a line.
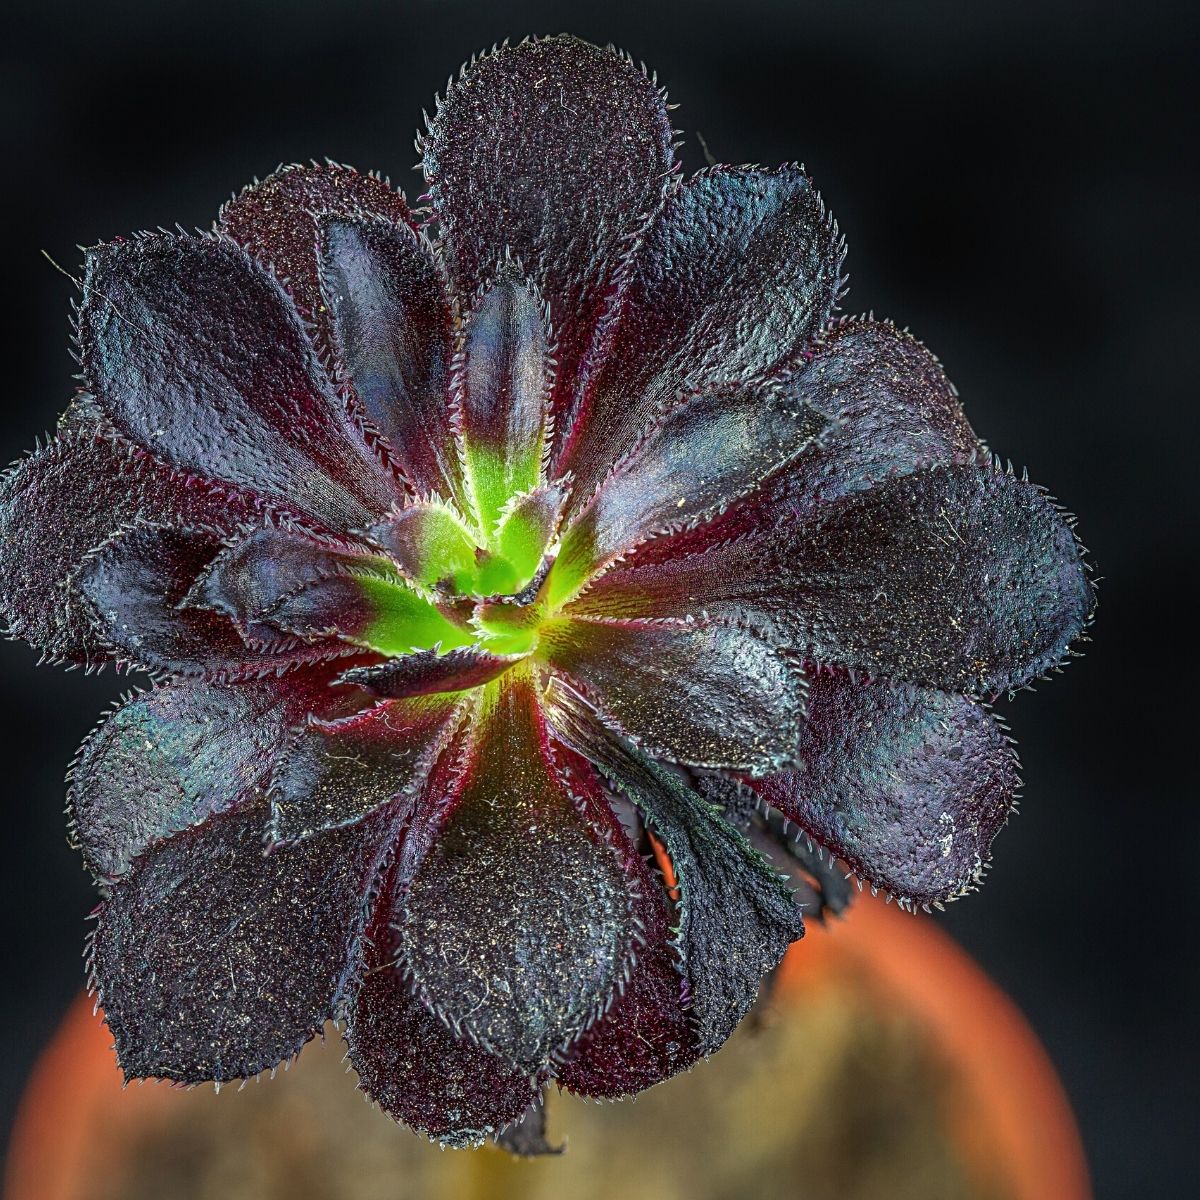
401,621
524,531
502,385
431,545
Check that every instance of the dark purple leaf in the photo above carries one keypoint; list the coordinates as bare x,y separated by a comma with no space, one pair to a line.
959,578
392,333
214,960
890,411
335,772
963,579
693,461
252,578
557,152
134,586
515,918
428,672
736,277
502,392
69,498
647,1035
196,354
172,757
698,692
411,1064
907,785
368,610
736,918
278,221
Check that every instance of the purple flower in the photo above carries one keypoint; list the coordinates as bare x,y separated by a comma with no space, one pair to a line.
477,552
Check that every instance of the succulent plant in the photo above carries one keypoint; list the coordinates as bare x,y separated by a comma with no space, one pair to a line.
512,572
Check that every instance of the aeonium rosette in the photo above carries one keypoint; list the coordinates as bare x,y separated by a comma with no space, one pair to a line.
488,558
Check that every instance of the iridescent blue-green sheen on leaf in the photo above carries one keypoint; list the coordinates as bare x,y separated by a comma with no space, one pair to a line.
174,756
701,455
739,273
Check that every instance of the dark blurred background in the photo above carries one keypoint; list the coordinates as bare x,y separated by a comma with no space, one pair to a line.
1016,182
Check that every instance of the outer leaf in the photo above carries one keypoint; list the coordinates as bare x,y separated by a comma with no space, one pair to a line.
736,277
702,693
515,920
214,961
195,353
69,498
736,918
907,785
819,885
890,411
135,585
647,1035
958,578
579,158
278,221
335,772
411,1064
172,757
392,331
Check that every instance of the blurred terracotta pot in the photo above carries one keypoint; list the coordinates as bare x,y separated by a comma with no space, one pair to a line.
885,1064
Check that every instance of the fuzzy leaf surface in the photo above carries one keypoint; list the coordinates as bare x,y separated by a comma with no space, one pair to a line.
736,917
502,391
577,161
215,961
737,275
958,577
700,456
334,772
278,221
196,354
174,756
135,586
68,499
515,920
412,1065
907,785
392,336
702,693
